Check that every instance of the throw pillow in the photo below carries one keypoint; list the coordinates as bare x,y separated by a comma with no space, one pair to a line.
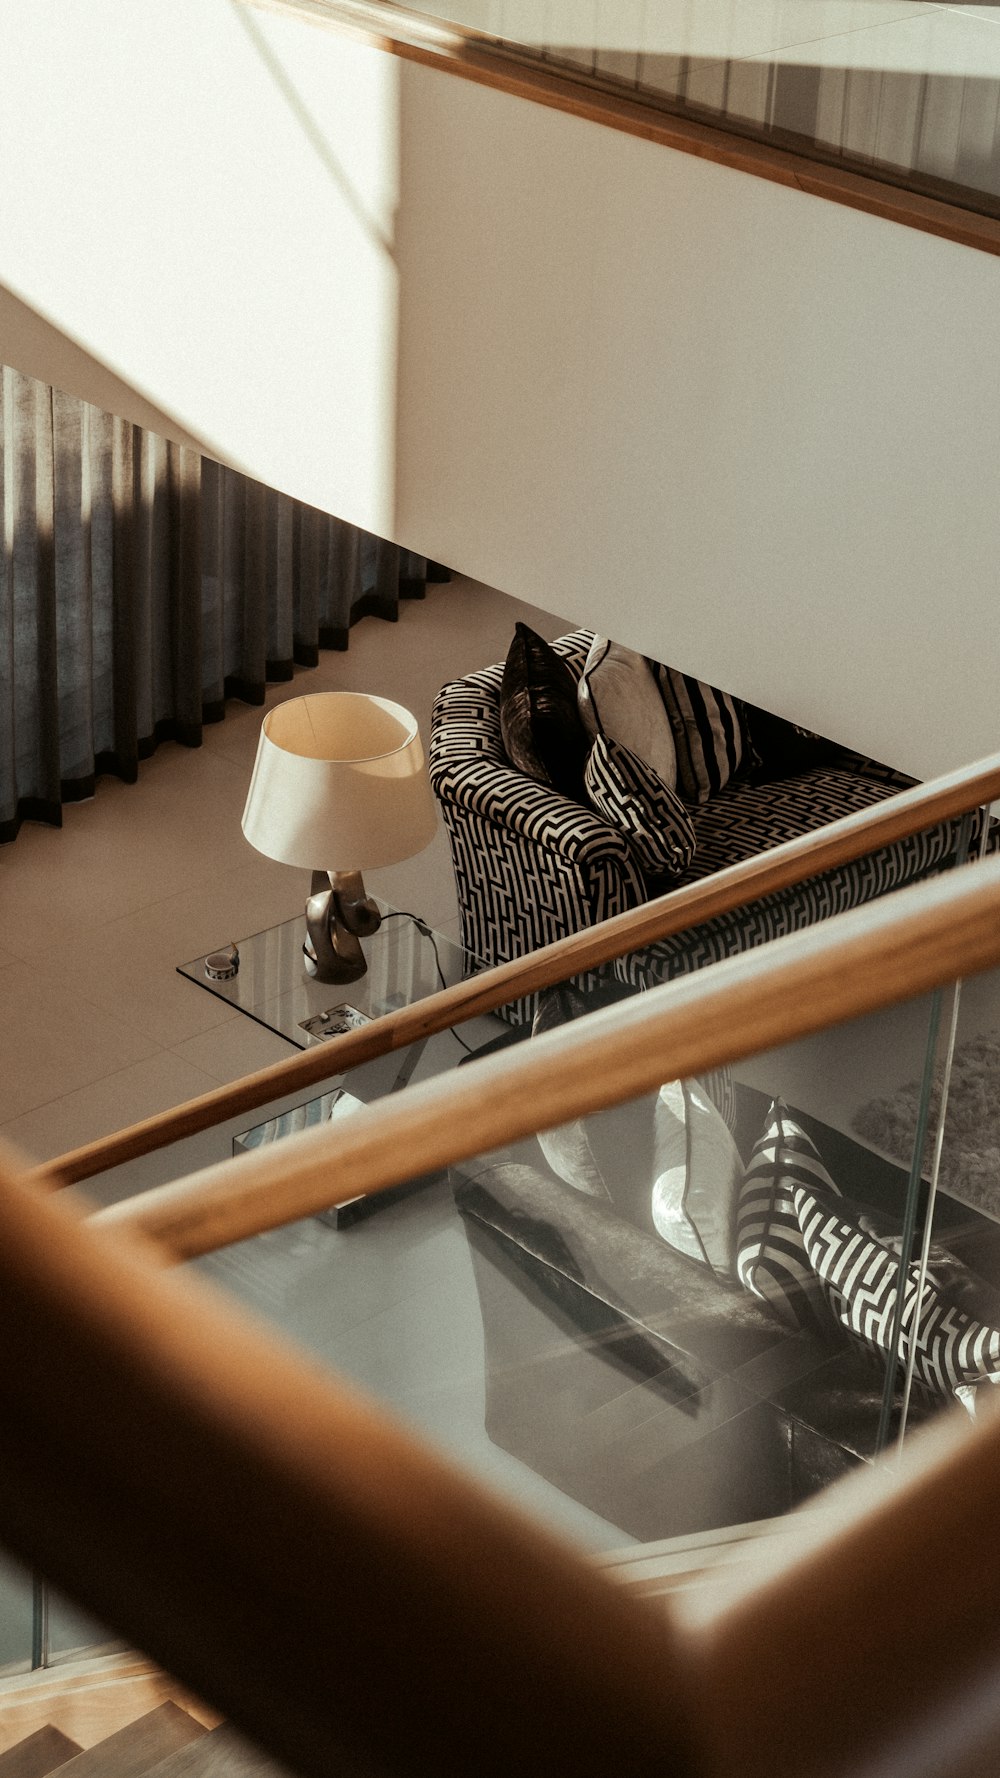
539,720
619,699
861,1277
784,749
698,1175
710,734
635,801
771,1257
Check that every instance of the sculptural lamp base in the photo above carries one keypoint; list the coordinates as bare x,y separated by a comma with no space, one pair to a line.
338,915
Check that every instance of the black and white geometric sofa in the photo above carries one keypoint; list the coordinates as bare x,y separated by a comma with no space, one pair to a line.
532,864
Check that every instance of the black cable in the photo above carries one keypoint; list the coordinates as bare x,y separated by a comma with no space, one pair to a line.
425,932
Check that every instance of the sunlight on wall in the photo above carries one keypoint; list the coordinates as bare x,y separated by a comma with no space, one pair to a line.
203,196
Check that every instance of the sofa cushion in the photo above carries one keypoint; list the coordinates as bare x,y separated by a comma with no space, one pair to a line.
710,734
771,1257
860,1274
539,719
747,818
635,800
619,699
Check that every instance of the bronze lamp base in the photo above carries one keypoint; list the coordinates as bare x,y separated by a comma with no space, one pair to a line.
338,914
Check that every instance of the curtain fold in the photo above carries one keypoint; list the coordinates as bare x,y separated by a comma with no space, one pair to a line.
142,585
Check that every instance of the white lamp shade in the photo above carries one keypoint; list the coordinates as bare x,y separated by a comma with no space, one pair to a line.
339,783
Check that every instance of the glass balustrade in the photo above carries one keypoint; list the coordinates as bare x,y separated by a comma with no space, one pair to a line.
908,94
662,1319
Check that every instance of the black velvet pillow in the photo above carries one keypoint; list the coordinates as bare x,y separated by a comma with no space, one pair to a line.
539,719
784,749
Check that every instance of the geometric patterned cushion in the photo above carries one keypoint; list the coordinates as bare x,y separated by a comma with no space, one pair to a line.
710,734
634,800
861,1277
771,1257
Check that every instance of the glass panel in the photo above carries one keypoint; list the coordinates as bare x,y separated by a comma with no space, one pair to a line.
579,1319
914,101
38,1627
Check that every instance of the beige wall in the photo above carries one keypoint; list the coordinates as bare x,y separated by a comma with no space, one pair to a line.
751,432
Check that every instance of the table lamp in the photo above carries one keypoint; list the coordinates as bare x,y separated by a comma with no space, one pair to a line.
339,781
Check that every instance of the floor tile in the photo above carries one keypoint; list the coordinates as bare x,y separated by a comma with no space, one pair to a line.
57,1041
670,27
106,1105
237,1047
939,42
128,848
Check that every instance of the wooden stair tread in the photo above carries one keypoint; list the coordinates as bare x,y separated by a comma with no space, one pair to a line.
38,1754
132,1750
221,1753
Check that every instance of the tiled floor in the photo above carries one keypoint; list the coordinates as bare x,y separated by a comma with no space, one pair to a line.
99,1030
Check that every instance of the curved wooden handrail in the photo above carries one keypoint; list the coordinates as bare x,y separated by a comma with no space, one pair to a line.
922,937
469,54
352,1603
838,843
331,1586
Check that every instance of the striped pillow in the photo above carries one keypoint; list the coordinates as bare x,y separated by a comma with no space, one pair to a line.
710,734
633,798
861,1277
771,1257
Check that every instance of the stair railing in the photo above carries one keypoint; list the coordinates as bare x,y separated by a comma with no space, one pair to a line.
919,938
840,842
350,1601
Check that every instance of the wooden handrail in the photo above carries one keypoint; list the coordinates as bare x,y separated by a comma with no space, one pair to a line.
866,1657
277,1544
470,55
920,938
343,1595
824,849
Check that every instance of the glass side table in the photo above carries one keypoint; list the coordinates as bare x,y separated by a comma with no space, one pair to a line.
406,962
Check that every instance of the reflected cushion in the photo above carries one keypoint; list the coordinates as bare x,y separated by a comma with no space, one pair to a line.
637,803
698,1177
619,699
860,1275
617,1155
542,730
772,1261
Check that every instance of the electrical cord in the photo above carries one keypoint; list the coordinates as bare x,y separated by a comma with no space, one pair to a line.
425,932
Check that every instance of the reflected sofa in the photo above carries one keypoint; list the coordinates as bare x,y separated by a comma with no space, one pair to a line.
667,1399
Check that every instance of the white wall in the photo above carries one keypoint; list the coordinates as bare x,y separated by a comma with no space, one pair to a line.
749,431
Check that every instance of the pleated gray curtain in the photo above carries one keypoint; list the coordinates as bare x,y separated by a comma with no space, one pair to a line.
142,585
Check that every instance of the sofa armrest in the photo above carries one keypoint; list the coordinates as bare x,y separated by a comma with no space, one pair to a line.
602,1269
517,805
633,1380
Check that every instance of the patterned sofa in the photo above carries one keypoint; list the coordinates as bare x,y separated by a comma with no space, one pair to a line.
531,865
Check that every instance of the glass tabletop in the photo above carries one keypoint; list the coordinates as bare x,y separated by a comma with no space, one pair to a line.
406,962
